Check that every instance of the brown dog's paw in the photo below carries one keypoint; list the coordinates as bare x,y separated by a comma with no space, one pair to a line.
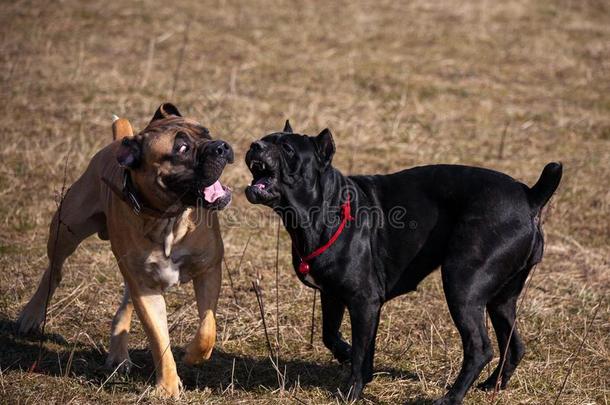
200,348
120,365
168,389
194,355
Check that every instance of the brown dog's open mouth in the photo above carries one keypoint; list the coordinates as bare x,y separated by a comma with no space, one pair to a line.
215,196
214,192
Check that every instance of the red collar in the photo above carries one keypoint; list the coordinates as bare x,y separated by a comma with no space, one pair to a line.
346,214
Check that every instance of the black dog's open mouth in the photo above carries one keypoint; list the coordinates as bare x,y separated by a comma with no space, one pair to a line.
262,188
262,175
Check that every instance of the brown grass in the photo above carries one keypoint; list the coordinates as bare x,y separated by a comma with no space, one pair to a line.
400,84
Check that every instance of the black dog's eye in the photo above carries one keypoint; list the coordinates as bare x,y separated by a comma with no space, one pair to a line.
183,148
288,149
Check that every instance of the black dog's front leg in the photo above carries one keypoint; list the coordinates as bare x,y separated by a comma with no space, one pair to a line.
365,320
332,315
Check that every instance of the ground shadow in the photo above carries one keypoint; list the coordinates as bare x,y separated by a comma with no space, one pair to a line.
224,370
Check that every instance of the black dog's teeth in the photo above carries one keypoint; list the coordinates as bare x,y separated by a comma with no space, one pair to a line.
258,165
260,170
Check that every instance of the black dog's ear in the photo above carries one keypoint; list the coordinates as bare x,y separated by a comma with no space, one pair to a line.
325,146
165,110
287,127
129,154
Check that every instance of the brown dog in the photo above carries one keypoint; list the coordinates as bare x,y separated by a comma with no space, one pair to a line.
154,195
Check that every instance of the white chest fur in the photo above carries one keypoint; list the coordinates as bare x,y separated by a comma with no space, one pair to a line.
163,271
165,267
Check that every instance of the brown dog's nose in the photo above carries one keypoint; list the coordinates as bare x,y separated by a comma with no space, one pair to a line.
221,149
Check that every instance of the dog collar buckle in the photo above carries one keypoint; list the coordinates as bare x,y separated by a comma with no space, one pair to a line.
129,194
135,204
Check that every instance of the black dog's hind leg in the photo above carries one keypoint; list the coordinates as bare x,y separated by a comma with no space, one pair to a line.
332,316
364,316
502,311
469,317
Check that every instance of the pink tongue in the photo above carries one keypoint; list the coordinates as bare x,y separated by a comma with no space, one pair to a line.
213,192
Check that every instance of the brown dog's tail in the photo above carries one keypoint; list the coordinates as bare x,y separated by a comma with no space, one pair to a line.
121,128
546,185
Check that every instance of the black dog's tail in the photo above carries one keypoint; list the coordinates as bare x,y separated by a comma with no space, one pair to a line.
546,185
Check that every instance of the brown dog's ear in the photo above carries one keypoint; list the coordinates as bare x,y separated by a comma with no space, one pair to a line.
121,128
166,110
287,128
129,154
325,146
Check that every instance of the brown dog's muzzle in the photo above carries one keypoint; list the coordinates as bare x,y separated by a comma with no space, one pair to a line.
220,150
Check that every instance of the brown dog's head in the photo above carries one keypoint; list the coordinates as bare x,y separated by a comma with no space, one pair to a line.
174,160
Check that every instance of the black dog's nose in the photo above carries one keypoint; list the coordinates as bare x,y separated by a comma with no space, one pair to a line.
258,145
221,149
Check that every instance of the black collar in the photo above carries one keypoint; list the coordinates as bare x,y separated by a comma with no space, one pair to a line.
129,194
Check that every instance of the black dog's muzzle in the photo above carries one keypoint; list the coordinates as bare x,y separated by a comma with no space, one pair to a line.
263,162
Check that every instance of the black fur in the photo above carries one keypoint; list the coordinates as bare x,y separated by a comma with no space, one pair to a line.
480,226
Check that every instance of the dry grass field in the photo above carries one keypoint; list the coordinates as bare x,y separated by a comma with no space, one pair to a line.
508,85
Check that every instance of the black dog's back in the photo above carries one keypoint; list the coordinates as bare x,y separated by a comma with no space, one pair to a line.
461,186
433,209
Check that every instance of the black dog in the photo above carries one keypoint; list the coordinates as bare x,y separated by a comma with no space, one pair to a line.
480,226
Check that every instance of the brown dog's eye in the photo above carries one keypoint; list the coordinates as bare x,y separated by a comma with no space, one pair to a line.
181,143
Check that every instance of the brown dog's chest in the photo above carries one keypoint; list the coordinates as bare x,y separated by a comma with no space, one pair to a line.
160,254
165,272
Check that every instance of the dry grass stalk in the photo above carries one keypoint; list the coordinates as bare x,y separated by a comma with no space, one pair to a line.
277,289
313,318
261,307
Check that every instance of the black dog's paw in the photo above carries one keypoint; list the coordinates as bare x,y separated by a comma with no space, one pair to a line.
490,384
352,390
30,321
446,401
342,351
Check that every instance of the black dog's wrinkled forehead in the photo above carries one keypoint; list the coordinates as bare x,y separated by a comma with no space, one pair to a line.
298,140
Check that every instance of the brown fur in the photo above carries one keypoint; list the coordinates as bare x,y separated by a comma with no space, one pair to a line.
152,253
121,127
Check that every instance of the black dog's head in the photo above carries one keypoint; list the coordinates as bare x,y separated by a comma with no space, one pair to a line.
175,159
286,166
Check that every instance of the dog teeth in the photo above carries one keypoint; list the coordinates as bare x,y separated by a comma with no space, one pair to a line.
258,165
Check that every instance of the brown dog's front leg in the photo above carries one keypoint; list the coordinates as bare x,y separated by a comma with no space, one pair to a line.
150,307
207,288
118,354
